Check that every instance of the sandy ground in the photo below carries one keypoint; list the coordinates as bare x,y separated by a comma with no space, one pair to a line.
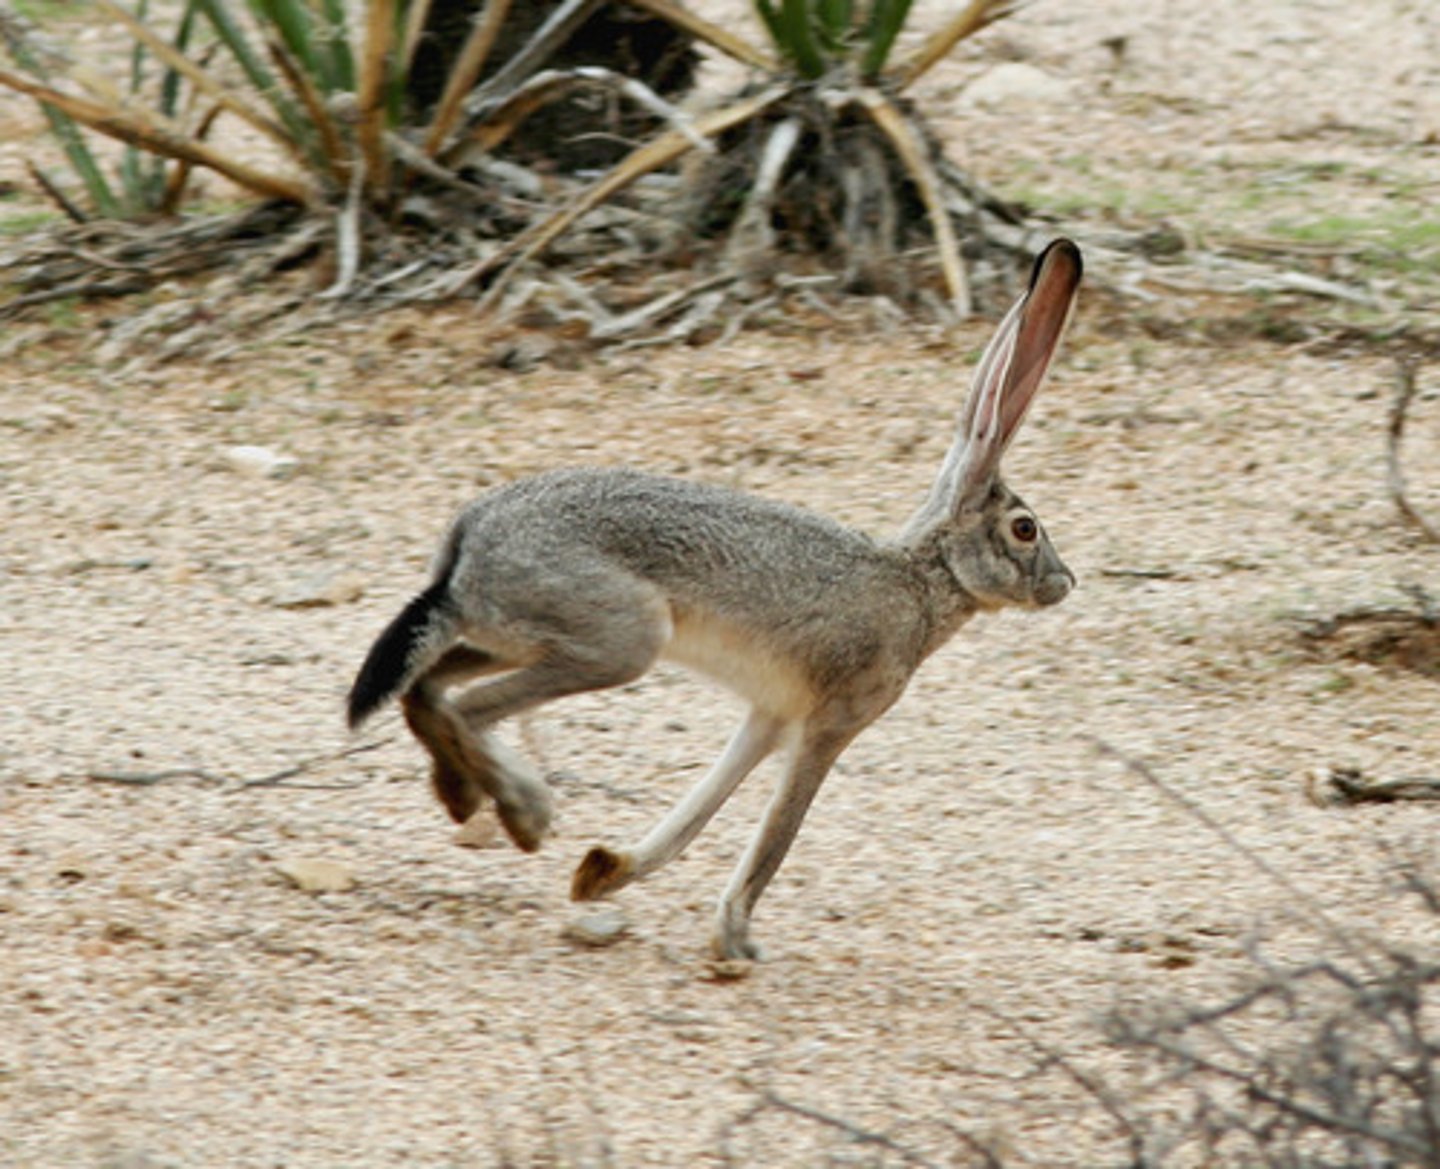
975,882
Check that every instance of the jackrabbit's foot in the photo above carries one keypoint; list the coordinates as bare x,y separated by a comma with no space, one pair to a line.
731,940
522,797
526,813
457,792
601,872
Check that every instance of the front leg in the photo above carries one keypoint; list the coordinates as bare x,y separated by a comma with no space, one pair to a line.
811,762
604,870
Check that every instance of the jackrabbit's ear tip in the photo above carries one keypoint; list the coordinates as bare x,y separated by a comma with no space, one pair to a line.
1063,249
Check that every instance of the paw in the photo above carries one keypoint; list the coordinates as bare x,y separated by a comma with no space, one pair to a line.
457,794
527,818
602,871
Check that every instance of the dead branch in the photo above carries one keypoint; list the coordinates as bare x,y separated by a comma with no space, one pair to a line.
861,1136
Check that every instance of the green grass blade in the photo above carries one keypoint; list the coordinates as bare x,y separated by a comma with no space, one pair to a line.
938,45
133,177
137,52
170,84
82,162
887,18
72,142
771,19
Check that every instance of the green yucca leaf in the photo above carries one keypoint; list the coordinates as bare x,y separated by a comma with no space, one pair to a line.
887,18
72,142
398,81
791,29
234,39
833,20
335,35
291,19
771,18
83,163
137,172
170,84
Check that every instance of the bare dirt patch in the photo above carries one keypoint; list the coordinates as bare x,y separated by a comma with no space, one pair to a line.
975,882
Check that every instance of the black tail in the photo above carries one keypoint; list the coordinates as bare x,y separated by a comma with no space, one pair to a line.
394,654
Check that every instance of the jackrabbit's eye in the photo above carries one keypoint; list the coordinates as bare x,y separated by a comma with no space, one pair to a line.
1024,529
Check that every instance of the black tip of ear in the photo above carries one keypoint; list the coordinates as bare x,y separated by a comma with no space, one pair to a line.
1062,251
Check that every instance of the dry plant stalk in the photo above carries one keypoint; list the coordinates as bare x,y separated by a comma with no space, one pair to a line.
149,133
967,22
370,90
197,76
464,73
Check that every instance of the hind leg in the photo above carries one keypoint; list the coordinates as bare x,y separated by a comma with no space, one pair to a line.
470,762
425,709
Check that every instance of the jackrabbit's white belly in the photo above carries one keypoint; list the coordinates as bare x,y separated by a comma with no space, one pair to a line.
740,659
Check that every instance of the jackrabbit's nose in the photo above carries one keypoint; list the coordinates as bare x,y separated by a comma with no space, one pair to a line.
1055,587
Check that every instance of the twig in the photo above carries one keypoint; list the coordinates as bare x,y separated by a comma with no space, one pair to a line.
57,196
769,1099
1405,387
1316,912
1091,1086
1313,1115
1142,573
1348,785
347,234
274,779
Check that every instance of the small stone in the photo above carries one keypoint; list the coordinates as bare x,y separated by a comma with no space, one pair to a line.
482,830
261,462
603,927
317,876
321,591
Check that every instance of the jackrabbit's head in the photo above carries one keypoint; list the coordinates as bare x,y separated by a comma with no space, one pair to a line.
991,542
1001,555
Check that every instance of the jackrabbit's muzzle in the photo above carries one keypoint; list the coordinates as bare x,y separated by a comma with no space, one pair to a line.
1054,587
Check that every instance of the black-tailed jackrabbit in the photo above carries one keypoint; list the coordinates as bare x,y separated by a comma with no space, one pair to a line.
582,579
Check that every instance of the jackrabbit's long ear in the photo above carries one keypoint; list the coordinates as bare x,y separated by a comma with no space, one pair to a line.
1011,371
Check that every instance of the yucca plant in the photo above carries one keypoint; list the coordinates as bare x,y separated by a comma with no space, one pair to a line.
823,155
328,88
820,154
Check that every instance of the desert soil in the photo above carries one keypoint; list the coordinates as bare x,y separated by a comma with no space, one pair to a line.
976,885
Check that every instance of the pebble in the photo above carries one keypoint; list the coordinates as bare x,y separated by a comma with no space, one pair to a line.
321,590
602,927
317,876
262,462
482,830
